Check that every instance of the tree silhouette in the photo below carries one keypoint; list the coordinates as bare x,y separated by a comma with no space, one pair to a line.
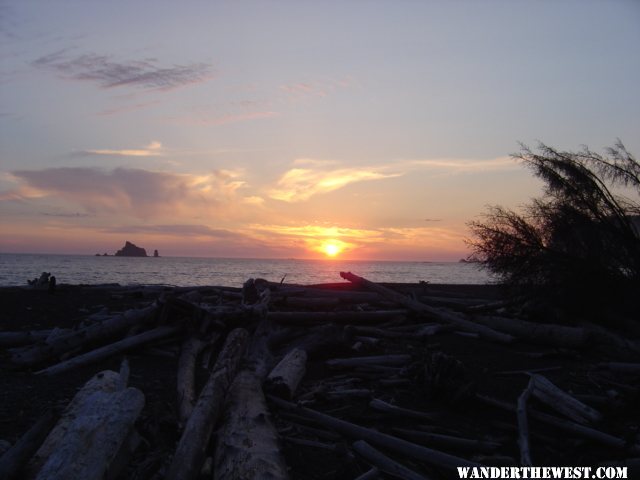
578,246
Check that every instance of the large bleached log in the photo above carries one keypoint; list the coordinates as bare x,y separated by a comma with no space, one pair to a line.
115,348
13,461
542,333
248,446
185,378
384,463
359,317
285,377
382,440
440,314
190,452
91,433
101,331
562,402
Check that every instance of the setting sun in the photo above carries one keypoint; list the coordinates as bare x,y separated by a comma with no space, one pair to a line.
331,248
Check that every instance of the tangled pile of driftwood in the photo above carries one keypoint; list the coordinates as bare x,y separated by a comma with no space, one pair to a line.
257,344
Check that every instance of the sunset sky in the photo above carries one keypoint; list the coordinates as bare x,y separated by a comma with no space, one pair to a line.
365,129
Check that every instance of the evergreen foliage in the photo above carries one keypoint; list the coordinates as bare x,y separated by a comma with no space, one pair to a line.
578,246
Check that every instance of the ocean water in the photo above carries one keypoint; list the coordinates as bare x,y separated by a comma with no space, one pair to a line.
16,269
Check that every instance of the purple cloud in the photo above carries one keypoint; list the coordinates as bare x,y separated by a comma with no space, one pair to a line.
108,73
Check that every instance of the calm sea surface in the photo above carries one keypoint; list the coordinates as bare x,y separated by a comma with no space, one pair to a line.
16,269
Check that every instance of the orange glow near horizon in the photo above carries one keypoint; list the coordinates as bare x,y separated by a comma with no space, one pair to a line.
332,248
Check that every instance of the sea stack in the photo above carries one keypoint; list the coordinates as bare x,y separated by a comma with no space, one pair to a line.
155,253
131,250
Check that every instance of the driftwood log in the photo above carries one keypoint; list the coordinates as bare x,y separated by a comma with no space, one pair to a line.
38,353
13,460
440,314
382,440
90,438
523,424
115,348
190,452
562,402
384,463
306,318
185,377
287,374
248,445
541,333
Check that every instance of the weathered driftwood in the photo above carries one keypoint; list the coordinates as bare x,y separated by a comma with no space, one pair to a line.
346,394
287,374
613,344
371,474
17,339
190,452
185,377
332,447
541,333
320,338
14,460
306,318
523,424
440,314
310,302
101,331
562,402
111,349
456,303
248,446
376,360
384,463
439,440
91,434
376,332
407,449
345,296
385,407
561,424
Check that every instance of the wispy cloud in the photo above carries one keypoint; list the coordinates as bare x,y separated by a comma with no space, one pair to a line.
299,184
311,177
154,149
455,166
134,192
108,72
